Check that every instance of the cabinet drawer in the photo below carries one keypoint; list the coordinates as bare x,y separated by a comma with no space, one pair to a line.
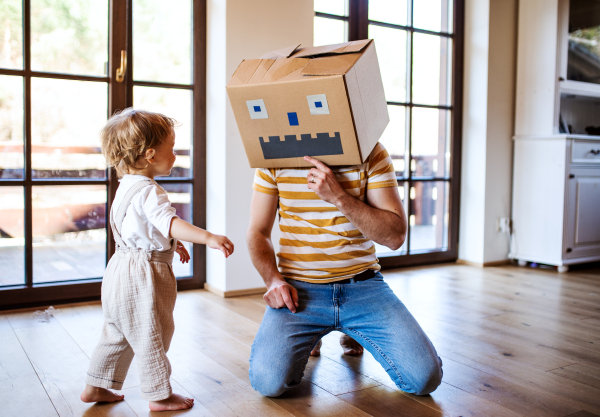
585,152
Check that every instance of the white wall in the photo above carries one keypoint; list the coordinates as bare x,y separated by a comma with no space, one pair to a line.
238,30
488,126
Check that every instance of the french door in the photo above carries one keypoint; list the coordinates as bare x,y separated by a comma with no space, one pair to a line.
419,46
65,67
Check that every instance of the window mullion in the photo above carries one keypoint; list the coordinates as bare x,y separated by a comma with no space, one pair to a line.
27,148
117,93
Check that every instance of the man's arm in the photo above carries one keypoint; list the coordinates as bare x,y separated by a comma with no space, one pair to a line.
381,219
262,216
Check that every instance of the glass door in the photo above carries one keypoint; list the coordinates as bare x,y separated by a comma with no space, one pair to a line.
419,47
59,61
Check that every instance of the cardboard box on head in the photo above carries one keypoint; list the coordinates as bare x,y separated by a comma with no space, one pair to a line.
326,101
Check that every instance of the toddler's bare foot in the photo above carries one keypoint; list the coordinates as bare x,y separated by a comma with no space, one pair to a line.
94,394
317,349
174,402
351,346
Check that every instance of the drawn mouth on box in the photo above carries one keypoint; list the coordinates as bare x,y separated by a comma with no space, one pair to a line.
291,147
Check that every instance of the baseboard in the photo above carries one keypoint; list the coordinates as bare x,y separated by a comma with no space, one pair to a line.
483,265
236,293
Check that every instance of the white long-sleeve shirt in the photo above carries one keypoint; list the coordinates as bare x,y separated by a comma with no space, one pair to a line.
148,218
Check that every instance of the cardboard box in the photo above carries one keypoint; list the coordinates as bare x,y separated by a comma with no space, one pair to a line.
326,101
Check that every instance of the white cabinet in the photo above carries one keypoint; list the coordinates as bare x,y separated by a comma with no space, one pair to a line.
556,177
556,200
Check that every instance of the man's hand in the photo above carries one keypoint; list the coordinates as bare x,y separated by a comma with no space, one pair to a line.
281,294
184,256
322,181
221,243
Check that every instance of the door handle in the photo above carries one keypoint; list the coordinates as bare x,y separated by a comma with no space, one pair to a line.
120,76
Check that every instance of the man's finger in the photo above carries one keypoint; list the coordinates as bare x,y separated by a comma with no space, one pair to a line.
317,163
294,296
285,294
278,300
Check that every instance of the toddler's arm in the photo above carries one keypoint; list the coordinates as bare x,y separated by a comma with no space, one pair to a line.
182,230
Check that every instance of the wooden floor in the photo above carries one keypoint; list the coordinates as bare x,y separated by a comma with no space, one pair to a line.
514,342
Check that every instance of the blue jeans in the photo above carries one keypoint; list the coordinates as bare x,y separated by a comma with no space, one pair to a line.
368,311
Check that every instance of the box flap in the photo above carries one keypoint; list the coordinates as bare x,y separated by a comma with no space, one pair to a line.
340,48
281,53
264,71
330,65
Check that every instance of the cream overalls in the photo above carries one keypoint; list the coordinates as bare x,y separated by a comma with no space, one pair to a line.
138,298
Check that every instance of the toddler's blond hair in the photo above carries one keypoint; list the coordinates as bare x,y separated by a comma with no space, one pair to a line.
129,133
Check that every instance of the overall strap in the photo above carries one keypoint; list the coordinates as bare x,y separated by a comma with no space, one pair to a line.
116,219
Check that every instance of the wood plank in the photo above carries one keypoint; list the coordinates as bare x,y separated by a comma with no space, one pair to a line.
61,366
20,387
580,373
452,401
309,400
516,397
383,401
583,414
240,305
577,394
133,397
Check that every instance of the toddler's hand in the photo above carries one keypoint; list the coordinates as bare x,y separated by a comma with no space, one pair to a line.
184,255
221,243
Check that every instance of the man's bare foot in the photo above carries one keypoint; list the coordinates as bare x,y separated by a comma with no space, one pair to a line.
351,346
317,349
174,402
94,394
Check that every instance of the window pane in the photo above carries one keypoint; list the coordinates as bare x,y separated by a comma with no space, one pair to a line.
394,137
430,128
69,36
11,34
180,196
428,217
66,118
434,15
69,235
162,38
11,127
329,31
389,11
12,243
383,250
391,52
432,61
174,103
339,7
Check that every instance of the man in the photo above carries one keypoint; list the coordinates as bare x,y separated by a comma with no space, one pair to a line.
328,275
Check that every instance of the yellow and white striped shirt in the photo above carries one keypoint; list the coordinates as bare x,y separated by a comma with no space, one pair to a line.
318,243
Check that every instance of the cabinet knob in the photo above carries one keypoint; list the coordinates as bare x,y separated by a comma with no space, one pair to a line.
595,151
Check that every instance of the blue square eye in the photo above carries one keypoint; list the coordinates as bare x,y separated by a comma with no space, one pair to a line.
318,104
293,118
257,109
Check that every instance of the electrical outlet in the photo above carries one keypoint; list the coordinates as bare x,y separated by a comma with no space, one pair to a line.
503,225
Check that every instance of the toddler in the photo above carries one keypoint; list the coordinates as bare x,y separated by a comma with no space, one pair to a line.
139,288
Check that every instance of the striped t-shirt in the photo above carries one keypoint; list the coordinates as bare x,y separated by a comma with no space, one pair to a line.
318,243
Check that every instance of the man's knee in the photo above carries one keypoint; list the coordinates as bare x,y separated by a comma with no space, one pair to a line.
267,382
428,380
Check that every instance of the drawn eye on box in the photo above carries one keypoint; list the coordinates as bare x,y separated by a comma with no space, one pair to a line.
257,109
318,104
